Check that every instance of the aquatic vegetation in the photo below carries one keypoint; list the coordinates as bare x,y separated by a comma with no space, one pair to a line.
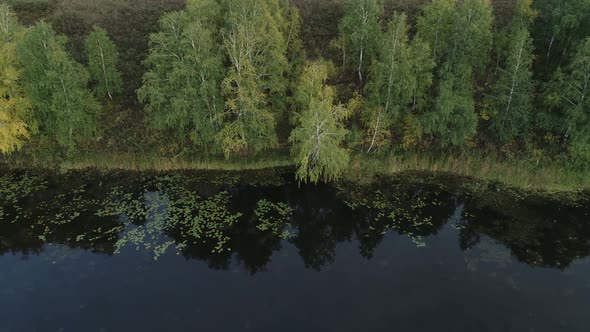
405,207
210,221
199,216
14,188
152,234
273,217
120,203
151,218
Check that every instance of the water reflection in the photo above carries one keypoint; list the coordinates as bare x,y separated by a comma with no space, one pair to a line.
217,218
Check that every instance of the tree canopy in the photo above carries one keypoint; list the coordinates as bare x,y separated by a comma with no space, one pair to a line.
398,76
360,33
234,79
461,36
512,96
317,141
182,89
57,85
255,86
15,108
568,99
103,59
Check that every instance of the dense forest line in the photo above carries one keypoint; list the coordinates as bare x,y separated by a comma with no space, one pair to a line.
320,79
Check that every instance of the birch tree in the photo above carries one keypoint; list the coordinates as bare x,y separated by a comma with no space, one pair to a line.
462,38
58,87
295,51
392,83
458,34
436,25
472,36
568,99
103,59
360,33
15,108
317,140
453,118
182,88
513,90
561,26
423,65
256,48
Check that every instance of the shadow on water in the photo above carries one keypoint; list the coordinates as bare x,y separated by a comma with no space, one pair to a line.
458,232
216,216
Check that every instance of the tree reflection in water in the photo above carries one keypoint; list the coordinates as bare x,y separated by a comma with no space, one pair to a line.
220,217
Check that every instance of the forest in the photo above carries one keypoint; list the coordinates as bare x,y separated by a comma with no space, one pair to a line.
321,85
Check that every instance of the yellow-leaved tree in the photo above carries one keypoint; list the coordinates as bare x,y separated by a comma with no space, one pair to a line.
15,108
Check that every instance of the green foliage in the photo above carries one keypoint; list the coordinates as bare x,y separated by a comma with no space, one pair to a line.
568,99
360,34
472,38
390,88
400,78
458,35
103,59
295,51
561,27
453,119
318,138
182,89
436,25
222,74
255,85
461,37
513,91
15,108
57,86
422,71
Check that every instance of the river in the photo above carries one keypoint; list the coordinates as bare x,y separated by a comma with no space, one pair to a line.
257,251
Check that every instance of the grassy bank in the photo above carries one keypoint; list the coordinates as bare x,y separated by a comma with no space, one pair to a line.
141,162
524,174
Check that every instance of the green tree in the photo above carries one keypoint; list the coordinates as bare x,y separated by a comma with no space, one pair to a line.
453,118
512,94
436,26
461,37
422,70
360,33
295,50
561,26
103,59
472,37
255,86
458,35
391,85
15,107
182,88
568,99
318,138
57,86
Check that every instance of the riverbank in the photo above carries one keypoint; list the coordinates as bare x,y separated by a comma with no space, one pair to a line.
523,174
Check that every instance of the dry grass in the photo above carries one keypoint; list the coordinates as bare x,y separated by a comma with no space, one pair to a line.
522,174
137,162
516,173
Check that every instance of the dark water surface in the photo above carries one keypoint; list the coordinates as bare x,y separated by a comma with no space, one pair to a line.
257,252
